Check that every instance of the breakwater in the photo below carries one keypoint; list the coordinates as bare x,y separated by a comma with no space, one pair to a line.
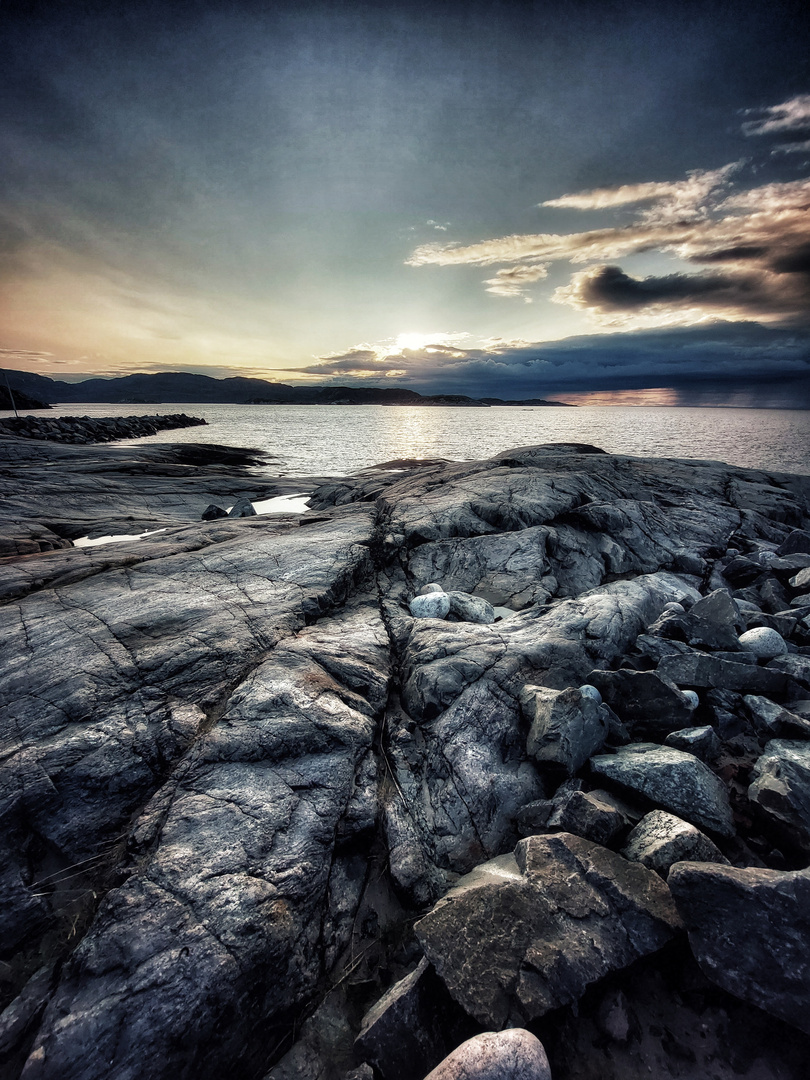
84,429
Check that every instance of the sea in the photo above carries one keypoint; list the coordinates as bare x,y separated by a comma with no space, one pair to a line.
335,440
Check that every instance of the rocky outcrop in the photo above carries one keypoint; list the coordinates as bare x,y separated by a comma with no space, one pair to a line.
237,768
85,429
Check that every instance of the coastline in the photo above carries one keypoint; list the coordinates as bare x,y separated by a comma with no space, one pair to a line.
239,769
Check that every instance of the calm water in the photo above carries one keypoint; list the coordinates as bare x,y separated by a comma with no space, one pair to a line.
331,440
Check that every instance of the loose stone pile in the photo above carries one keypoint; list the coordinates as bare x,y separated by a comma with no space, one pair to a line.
84,429
462,765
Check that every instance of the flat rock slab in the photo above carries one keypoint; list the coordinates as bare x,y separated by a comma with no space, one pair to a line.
699,670
749,930
515,1054
674,780
526,933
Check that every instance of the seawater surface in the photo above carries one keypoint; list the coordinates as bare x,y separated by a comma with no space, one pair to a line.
333,440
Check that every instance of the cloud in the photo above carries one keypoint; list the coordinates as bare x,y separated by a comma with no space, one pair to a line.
512,280
791,119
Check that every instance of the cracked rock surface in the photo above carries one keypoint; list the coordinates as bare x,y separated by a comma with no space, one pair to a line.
235,770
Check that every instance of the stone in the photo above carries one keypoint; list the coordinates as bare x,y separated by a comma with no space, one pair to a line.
661,839
797,541
526,933
590,691
412,1027
780,787
567,727
673,780
242,508
514,1054
701,671
432,605
431,586
712,621
794,665
788,565
700,741
213,513
598,816
741,571
801,580
646,701
763,642
775,721
470,608
691,698
749,929
802,601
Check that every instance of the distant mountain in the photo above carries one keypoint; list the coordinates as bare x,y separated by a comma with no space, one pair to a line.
172,386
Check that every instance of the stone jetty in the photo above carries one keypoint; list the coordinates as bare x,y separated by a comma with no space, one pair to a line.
264,813
85,429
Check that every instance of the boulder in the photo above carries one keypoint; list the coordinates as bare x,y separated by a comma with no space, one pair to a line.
797,541
567,727
661,839
598,816
701,671
242,508
780,787
526,933
469,608
432,605
713,620
801,580
763,642
213,513
774,721
673,780
700,741
646,701
749,930
514,1054
795,665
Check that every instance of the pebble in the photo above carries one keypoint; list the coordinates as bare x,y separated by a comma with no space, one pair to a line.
763,642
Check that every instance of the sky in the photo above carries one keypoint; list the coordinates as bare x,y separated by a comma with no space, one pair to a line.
512,199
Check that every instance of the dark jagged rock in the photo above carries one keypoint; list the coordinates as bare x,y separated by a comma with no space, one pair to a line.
648,703
749,930
83,429
780,787
527,933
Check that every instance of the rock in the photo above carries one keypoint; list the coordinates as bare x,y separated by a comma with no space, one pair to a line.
763,642
594,815
429,588
700,741
802,601
749,930
242,508
780,787
700,671
646,701
525,934
567,727
691,697
712,621
412,1027
772,596
661,839
470,608
514,1054
432,605
590,691
213,513
740,571
787,565
774,721
796,542
801,580
673,780
797,667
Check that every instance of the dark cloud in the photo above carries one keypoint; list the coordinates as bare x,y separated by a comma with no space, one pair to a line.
609,287
730,254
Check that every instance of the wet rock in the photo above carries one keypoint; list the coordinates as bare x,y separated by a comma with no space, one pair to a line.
749,930
567,727
470,608
780,787
673,780
700,741
646,701
514,1054
432,605
763,642
661,839
524,934
242,508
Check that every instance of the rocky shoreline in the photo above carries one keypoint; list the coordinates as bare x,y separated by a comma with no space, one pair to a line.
515,746
85,429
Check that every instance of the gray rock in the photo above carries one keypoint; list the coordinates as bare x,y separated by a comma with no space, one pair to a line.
470,608
673,780
524,934
713,621
749,930
590,691
514,1054
691,697
794,665
646,701
780,787
802,579
763,642
775,721
432,605
701,671
700,741
802,601
567,727
431,586
242,508
213,513
661,839
796,542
